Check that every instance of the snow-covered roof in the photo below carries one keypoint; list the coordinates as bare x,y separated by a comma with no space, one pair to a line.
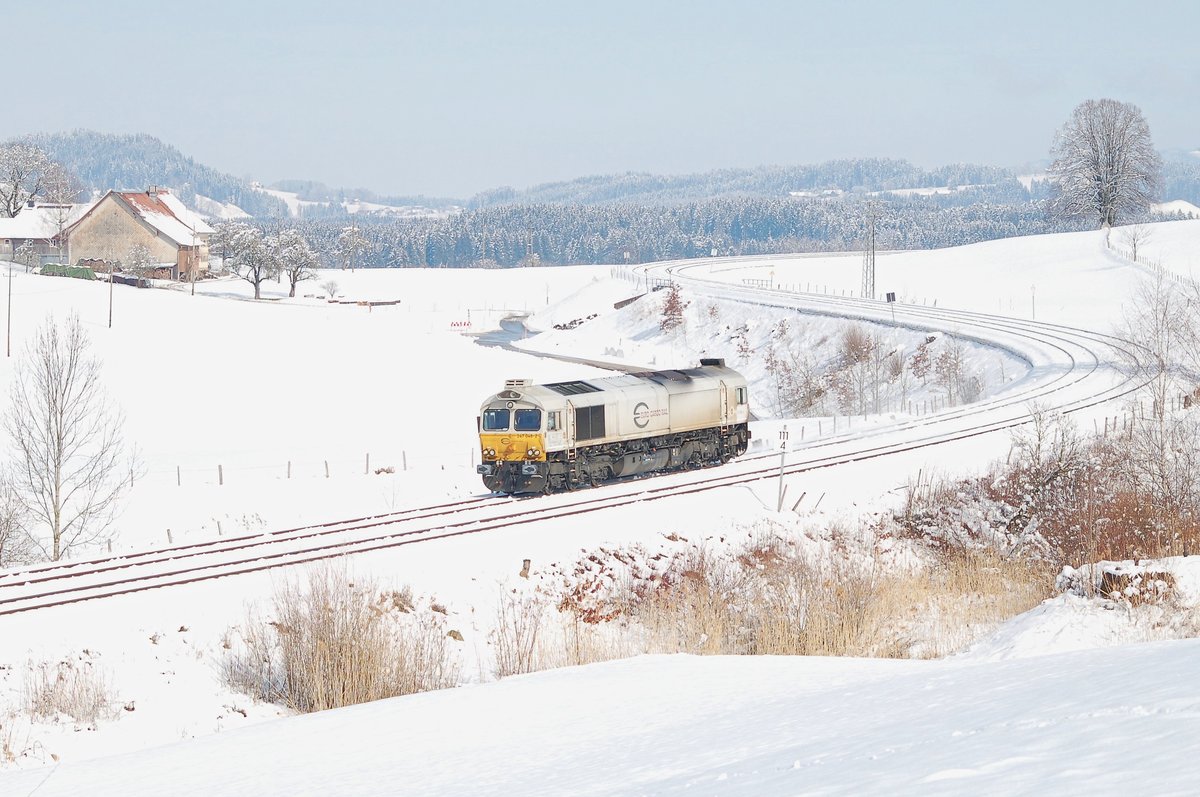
41,222
165,213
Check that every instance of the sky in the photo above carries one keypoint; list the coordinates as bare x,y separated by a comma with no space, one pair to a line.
449,99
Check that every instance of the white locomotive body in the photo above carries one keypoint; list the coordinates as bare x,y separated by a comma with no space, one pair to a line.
553,437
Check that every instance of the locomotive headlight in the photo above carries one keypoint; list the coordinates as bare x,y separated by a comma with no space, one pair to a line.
533,452
491,452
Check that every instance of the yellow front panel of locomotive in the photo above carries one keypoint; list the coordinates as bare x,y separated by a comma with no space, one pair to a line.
513,446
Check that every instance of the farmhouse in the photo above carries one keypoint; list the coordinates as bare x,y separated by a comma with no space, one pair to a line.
156,219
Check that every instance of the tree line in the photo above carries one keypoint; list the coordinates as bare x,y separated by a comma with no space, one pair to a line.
515,235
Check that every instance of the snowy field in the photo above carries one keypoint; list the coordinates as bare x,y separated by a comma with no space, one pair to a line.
253,416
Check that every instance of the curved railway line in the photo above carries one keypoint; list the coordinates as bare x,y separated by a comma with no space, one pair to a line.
1076,380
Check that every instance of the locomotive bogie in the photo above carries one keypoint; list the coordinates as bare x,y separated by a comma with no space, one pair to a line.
554,437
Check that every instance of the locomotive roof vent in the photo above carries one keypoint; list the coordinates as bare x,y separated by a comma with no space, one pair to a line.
717,361
508,394
511,383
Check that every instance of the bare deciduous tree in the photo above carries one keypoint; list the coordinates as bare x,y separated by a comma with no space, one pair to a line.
1049,450
1135,236
60,189
1160,456
16,546
27,255
69,470
672,310
1159,324
855,377
921,362
949,369
1105,165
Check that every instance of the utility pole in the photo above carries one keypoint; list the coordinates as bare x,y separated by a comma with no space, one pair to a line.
8,342
868,270
194,255
111,266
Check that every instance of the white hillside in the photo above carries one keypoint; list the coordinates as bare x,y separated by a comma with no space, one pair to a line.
265,396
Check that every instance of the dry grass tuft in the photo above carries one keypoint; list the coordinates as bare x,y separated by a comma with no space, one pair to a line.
337,642
71,689
769,597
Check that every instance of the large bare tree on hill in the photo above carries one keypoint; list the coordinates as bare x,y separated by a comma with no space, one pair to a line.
1105,165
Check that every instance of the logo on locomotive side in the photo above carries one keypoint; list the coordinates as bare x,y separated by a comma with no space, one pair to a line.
641,415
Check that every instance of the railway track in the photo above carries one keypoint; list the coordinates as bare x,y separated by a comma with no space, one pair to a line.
1080,380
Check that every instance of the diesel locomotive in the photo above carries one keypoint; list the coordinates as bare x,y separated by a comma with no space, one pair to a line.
563,435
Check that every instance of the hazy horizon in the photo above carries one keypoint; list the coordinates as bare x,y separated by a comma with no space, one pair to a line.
456,99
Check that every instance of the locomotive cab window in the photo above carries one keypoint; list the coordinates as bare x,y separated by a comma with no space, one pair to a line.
741,395
528,420
552,423
495,420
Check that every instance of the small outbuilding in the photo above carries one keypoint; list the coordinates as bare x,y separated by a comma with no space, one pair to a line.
38,232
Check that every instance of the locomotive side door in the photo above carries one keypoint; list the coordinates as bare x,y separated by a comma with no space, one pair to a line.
724,404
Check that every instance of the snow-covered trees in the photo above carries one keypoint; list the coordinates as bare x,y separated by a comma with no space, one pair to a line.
256,257
294,258
1105,166
67,440
22,172
26,173
743,225
140,262
247,254
351,244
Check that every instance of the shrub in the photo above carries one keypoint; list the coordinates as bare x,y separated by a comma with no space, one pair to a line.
337,642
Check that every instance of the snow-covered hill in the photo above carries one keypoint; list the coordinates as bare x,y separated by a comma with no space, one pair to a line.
285,387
